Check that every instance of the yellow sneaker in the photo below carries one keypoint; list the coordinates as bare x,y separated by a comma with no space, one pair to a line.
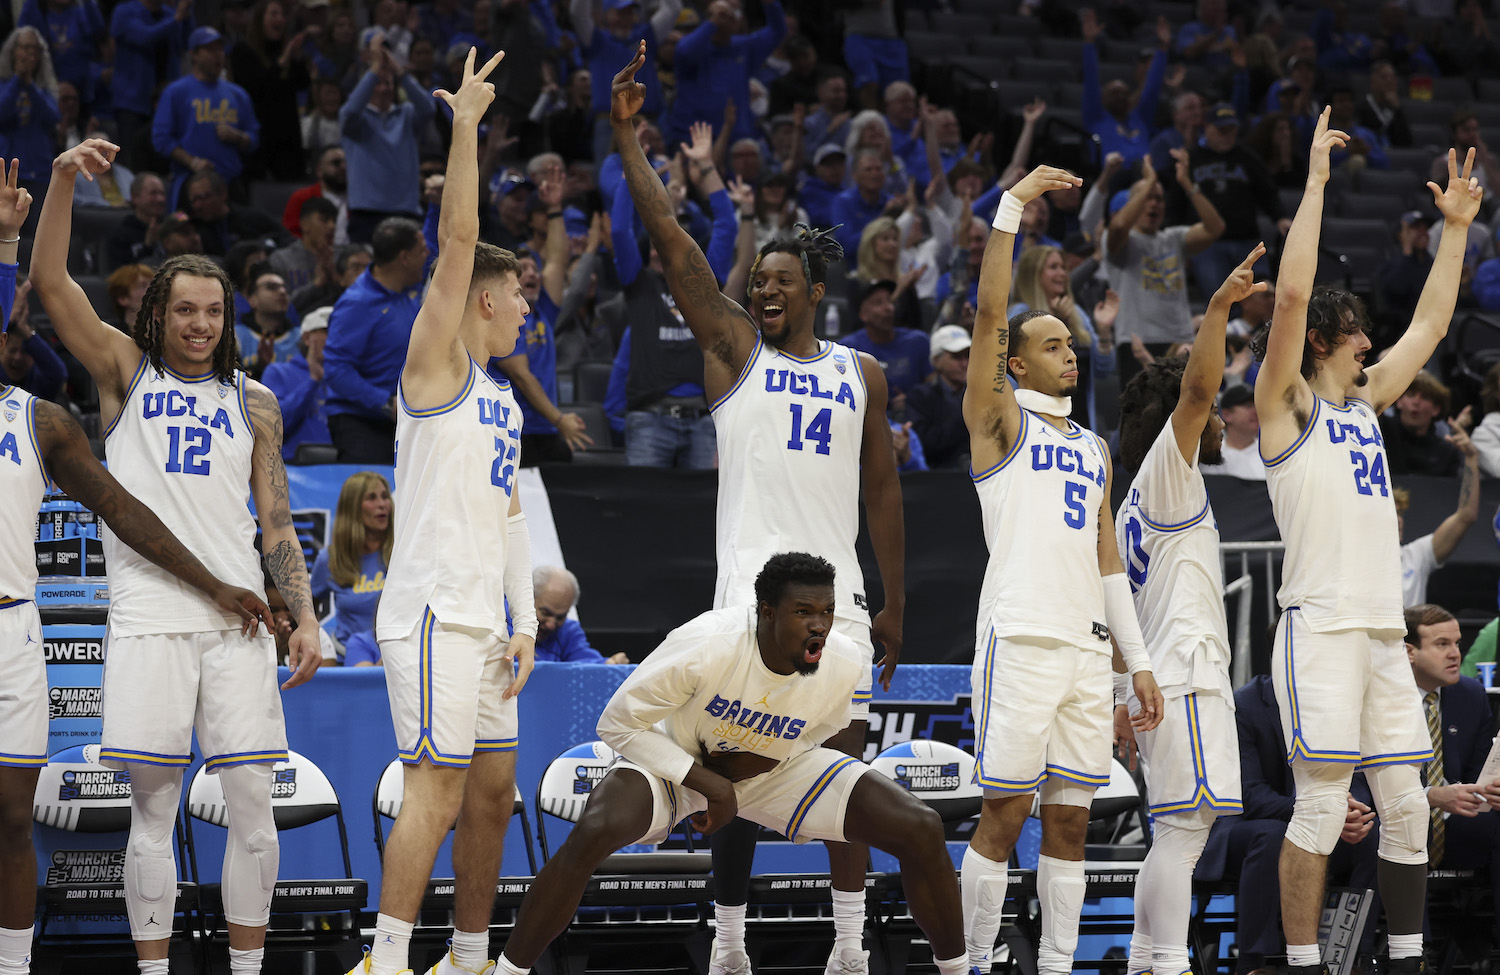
363,968
447,966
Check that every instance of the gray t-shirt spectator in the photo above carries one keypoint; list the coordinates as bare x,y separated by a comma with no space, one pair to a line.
1151,280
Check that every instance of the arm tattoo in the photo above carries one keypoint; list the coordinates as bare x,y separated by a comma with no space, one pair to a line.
1002,348
1468,485
288,568
265,414
74,468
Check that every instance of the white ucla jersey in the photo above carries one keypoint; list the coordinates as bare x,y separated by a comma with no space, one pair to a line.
790,432
1169,544
456,470
183,445
23,484
706,689
1331,496
1041,522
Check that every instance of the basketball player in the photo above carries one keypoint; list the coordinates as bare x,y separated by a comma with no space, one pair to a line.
1169,544
801,429
41,441
728,717
1041,675
186,432
462,547
1344,686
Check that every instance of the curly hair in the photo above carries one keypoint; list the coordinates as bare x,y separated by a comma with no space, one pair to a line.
1333,314
790,569
1146,404
149,330
816,248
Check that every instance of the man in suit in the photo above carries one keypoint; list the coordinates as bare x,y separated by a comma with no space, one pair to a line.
1465,830
1248,846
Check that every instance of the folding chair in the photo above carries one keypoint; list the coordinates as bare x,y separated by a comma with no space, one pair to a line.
634,898
77,795
301,796
435,918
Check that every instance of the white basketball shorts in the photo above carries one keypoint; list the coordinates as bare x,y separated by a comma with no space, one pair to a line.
159,687
1347,697
1192,759
859,704
803,799
1041,709
446,685
23,686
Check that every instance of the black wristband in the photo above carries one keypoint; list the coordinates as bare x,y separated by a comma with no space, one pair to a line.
554,214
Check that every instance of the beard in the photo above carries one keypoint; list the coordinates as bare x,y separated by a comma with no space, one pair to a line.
805,669
1071,390
1211,455
1361,378
778,340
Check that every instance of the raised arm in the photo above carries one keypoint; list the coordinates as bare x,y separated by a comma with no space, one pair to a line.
883,512
110,356
1459,204
1117,234
1280,388
723,330
1205,365
281,548
990,410
1447,536
1210,225
72,467
737,281
698,161
436,361
555,251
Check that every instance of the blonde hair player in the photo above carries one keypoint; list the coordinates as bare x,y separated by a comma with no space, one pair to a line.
1041,676
1345,689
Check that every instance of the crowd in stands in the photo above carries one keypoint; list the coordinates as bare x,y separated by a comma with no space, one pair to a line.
298,142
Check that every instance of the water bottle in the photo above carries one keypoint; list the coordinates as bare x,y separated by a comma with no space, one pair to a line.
831,322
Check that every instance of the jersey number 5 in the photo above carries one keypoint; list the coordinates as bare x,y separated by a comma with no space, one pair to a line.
1074,493
818,429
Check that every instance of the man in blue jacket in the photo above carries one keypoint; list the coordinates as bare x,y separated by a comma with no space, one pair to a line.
1122,125
558,637
368,333
381,139
149,40
1465,828
203,121
301,388
714,66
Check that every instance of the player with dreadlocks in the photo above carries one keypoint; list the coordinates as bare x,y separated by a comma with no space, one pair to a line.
1169,544
801,428
185,431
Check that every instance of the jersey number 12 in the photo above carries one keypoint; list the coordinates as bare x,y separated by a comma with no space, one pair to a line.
818,429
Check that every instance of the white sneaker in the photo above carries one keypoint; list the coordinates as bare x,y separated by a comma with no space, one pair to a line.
848,961
363,968
732,963
447,966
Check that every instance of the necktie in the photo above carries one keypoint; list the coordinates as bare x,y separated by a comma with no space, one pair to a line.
1434,775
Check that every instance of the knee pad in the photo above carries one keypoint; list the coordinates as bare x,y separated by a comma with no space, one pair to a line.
1058,791
1321,805
1060,891
1404,813
252,853
150,867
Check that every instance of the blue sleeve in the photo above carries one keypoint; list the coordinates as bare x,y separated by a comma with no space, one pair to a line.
348,334
696,48
320,581
50,371
164,135
1145,108
573,645
430,232
423,105
252,124
614,396
1092,108
918,461
611,175
846,235
351,115
763,42
986,205
720,252
8,96
1486,287
132,28
293,389
7,293
31,16
626,251
44,107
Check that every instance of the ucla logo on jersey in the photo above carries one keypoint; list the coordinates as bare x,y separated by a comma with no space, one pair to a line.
806,384
175,403
493,412
749,729
1046,456
1339,432
839,362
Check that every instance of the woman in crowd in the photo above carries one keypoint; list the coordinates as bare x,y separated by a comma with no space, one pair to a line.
273,71
879,259
1041,282
28,108
1275,140
352,566
127,288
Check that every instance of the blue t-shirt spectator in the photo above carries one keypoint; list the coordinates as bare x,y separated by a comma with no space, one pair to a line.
368,333
1194,31
188,116
539,345
905,358
709,74
149,42
1132,137
72,34
362,649
304,403
816,197
382,146
355,604
854,212
568,644
28,123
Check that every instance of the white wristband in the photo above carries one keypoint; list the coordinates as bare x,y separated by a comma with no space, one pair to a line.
1122,689
1008,216
1119,613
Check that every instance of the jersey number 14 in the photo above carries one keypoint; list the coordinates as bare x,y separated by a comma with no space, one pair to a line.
819,429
